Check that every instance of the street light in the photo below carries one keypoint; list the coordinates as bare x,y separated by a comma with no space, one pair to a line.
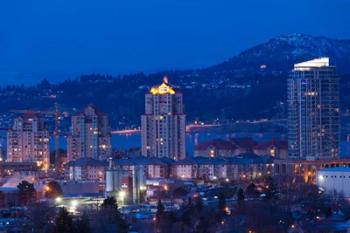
47,188
58,200
121,196
74,203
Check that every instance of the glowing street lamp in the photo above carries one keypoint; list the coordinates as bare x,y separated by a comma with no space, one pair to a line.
74,203
121,196
47,189
58,200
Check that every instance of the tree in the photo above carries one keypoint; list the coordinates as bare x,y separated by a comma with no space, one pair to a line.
39,216
203,225
26,192
160,209
109,202
252,190
83,225
53,190
240,198
221,203
109,216
199,204
240,195
271,191
180,192
2,199
64,222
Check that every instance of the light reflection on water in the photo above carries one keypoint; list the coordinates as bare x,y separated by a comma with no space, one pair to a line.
124,142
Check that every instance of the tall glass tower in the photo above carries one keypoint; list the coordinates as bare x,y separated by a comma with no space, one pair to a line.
313,111
164,123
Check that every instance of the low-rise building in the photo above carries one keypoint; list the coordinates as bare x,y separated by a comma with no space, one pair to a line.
274,148
248,167
244,145
84,169
245,166
335,179
224,148
153,167
215,148
200,168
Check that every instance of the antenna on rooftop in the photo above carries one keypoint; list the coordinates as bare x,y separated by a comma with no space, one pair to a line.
165,80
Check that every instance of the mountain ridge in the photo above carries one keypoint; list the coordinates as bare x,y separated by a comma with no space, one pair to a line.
278,54
251,85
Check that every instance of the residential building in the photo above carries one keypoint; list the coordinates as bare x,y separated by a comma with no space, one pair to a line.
274,148
335,179
249,167
86,169
313,111
216,148
90,135
28,141
306,170
224,148
243,167
164,123
244,144
151,167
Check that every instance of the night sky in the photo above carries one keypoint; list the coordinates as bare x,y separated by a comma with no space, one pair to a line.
59,39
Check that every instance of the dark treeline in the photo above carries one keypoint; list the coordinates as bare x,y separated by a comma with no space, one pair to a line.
206,96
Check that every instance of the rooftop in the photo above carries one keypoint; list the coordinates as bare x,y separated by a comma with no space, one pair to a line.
87,162
314,63
218,144
246,143
336,169
163,88
142,160
282,145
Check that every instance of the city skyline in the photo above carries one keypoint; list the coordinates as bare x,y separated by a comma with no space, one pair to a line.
249,134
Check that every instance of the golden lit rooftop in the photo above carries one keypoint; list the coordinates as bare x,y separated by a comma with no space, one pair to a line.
314,63
163,89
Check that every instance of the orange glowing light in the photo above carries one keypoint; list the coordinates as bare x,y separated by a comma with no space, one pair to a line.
163,89
47,189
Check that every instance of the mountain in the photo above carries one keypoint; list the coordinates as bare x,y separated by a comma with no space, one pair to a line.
251,85
280,53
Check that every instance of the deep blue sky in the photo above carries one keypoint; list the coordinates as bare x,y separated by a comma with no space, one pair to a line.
64,38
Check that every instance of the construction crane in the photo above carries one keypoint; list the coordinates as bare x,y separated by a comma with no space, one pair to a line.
57,136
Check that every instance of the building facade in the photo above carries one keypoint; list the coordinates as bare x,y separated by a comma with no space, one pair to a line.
86,169
313,111
240,168
274,148
164,123
28,141
90,135
224,148
335,179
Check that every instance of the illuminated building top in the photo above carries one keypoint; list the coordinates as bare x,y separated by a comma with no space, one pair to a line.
163,89
314,63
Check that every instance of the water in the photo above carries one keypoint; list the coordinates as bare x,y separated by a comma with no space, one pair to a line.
124,142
